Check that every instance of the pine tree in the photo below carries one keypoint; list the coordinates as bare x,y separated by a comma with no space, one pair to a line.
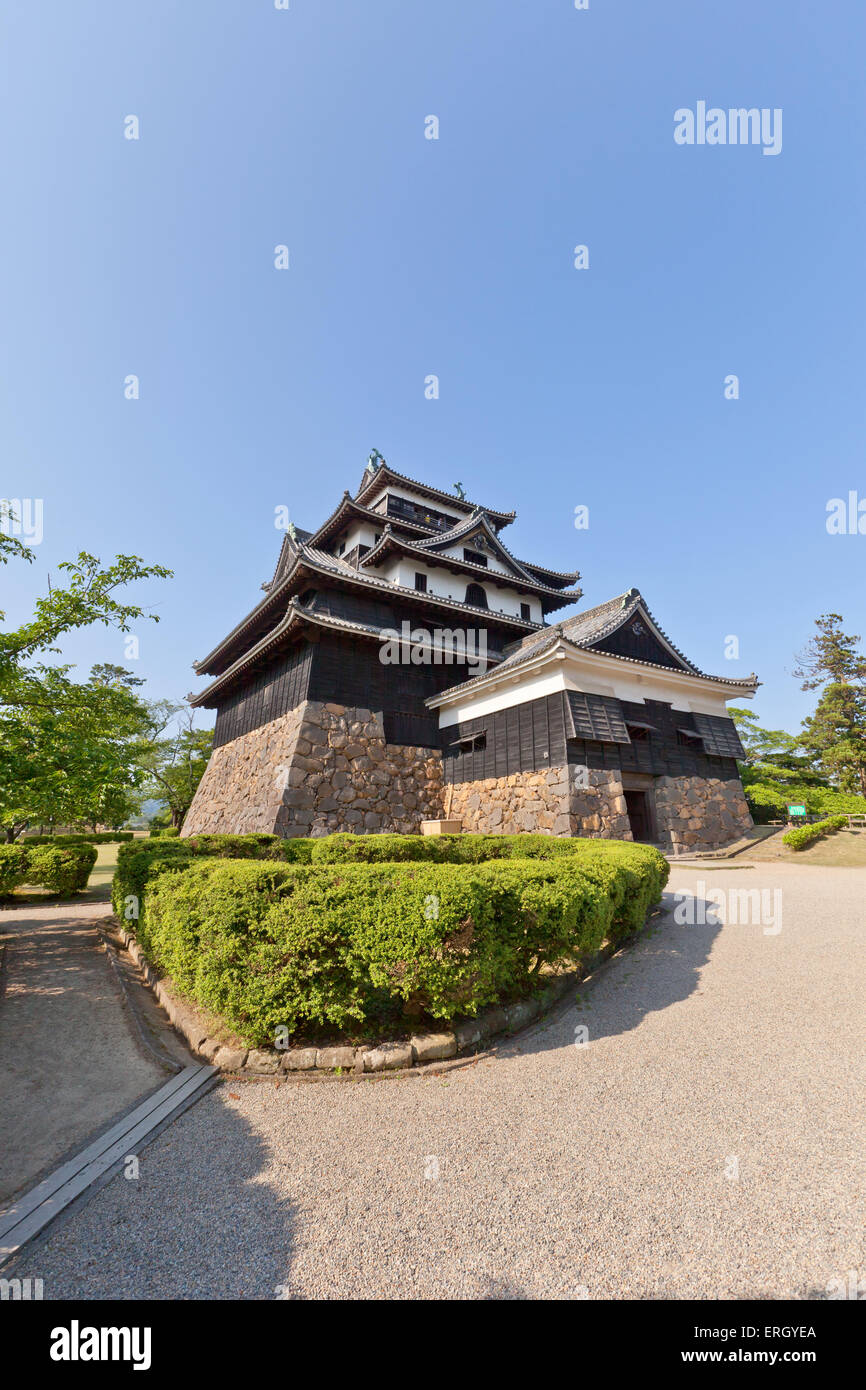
831,656
836,733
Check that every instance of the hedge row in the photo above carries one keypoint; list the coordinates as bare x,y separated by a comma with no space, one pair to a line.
352,945
440,849
806,835
133,861
163,832
63,869
380,849
99,837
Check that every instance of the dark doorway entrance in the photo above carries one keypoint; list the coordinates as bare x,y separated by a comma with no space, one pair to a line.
638,814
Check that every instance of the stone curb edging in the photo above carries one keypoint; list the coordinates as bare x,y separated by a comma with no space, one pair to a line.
471,1035
161,1058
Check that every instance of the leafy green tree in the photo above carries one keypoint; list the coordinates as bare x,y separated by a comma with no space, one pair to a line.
175,757
831,656
778,771
773,746
88,597
836,734
114,676
67,749
70,757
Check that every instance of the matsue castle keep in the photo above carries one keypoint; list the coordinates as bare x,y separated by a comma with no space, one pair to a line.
405,666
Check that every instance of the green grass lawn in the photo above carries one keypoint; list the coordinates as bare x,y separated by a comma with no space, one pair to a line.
103,871
844,850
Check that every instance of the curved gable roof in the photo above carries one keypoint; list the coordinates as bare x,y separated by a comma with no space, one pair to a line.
597,625
516,575
477,524
585,631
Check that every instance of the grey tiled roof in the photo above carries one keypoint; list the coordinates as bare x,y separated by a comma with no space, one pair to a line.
334,564
446,538
584,630
347,501
295,615
287,541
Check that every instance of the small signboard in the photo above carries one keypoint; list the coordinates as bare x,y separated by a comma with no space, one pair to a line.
796,810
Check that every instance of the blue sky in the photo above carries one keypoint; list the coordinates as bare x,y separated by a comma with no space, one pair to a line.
409,257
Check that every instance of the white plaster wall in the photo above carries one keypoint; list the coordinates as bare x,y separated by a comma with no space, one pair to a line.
519,694
447,585
687,694
359,534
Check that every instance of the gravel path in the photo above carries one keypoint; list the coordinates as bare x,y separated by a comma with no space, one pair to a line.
68,1059
707,1143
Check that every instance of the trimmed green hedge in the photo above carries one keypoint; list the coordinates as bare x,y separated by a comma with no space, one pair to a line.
771,797
134,861
62,869
298,851
350,944
163,832
449,849
99,837
806,835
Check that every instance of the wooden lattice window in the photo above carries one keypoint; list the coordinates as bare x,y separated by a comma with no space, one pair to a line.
476,595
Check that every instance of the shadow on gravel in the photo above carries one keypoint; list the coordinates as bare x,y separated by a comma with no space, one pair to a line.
69,1061
659,968
198,1222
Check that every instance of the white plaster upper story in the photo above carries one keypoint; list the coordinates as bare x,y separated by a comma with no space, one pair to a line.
446,584
443,582
561,667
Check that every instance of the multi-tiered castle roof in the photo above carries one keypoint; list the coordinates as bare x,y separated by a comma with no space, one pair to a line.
437,555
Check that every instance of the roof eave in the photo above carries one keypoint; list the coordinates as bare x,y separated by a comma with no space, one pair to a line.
299,617
391,542
562,649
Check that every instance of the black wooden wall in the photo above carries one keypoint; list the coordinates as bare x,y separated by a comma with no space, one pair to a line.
661,754
642,645
347,671
272,691
524,738
533,736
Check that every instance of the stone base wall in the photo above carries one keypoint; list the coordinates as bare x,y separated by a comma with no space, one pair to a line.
240,792
508,805
318,769
691,813
558,801
697,813
325,767
598,807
